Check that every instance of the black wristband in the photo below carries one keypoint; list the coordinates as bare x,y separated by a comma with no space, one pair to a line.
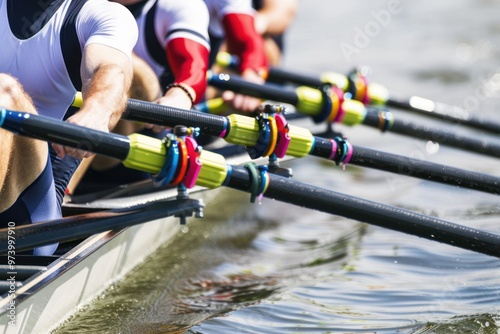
184,89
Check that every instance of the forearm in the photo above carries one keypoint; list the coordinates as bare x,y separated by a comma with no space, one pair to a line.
105,95
189,64
244,41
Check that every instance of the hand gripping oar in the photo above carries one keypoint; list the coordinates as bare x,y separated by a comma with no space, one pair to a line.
246,131
357,85
149,154
325,107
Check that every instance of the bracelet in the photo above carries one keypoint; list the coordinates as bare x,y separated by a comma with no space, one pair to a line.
188,93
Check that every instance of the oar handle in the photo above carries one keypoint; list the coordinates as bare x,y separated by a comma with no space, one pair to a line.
282,76
147,112
238,85
64,133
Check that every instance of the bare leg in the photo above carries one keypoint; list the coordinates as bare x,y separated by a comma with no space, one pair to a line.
21,159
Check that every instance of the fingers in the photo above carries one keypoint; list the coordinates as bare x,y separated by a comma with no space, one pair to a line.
240,102
75,153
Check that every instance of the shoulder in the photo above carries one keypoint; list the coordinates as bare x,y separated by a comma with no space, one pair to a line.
224,7
103,11
108,23
182,14
185,8
181,5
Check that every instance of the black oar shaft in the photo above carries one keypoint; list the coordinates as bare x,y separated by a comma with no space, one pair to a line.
486,146
425,170
416,168
141,111
418,105
452,114
78,227
327,201
109,144
477,144
386,216
214,125
282,76
269,92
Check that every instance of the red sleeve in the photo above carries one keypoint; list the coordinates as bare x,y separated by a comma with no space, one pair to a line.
189,64
244,41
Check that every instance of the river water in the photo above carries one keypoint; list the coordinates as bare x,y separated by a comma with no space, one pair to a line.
276,268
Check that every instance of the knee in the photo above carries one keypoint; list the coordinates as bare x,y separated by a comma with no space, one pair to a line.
12,94
9,85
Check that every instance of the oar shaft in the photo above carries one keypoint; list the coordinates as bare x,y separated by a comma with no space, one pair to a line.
452,114
305,195
78,227
141,111
386,216
486,146
416,168
49,129
238,85
425,170
477,144
418,105
282,76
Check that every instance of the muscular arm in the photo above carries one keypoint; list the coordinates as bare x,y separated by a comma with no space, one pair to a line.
189,62
244,41
106,77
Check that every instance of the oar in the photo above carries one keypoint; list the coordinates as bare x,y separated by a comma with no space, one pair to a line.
376,94
251,179
245,131
315,103
77,227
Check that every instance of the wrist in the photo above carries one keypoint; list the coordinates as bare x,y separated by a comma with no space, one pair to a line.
185,89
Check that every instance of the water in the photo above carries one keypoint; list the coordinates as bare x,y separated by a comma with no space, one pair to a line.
276,268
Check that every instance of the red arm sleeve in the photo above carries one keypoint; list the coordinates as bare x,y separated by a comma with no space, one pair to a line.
189,64
244,41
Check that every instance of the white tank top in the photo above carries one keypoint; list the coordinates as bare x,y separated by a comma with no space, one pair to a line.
38,62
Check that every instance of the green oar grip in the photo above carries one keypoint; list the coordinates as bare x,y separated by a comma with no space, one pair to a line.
244,130
337,79
216,106
355,112
213,170
225,59
310,100
301,141
146,154
378,94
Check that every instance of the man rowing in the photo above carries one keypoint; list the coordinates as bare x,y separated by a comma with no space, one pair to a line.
170,64
232,22
74,45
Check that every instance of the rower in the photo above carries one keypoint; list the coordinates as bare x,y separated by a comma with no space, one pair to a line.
170,63
92,54
232,27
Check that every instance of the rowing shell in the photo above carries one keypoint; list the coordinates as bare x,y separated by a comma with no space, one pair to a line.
51,289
